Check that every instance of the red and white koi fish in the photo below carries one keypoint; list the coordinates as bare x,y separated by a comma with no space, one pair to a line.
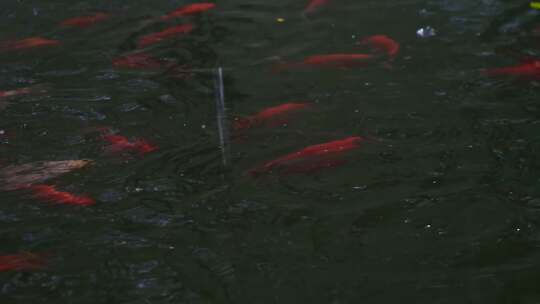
269,115
27,43
121,144
315,154
382,44
22,262
314,5
85,21
138,61
527,69
168,33
331,60
51,194
190,9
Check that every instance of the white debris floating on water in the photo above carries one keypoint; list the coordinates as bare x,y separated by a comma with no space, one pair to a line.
426,32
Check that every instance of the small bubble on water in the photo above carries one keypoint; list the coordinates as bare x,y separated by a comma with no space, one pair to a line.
426,32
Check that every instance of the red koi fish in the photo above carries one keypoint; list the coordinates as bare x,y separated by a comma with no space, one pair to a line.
137,61
382,44
527,69
312,154
314,5
122,144
28,43
165,34
49,193
22,262
331,60
85,21
268,115
190,9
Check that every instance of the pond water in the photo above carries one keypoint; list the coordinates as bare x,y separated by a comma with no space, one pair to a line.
436,199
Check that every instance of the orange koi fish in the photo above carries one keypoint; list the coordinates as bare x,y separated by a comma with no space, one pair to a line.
165,34
137,61
268,115
190,9
49,193
27,43
122,144
314,5
22,262
315,155
527,69
85,21
382,44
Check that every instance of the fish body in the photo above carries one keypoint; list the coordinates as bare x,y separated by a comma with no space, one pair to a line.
50,193
529,69
311,154
28,43
382,44
190,9
338,60
21,262
168,33
16,92
85,21
314,5
121,144
137,61
15,177
269,114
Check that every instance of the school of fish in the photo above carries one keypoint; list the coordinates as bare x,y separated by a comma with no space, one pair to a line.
36,179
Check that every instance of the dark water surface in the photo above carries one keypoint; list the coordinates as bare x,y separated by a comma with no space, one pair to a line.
442,205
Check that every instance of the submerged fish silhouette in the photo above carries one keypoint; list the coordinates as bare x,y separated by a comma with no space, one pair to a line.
165,34
269,115
22,262
120,144
314,5
27,43
138,61
331,61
